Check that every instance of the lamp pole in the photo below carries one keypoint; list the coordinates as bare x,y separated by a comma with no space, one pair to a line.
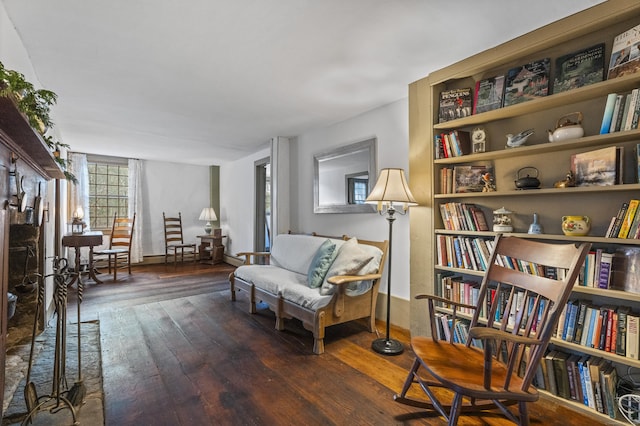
387,345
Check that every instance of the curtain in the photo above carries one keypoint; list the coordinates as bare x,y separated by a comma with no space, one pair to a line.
135,206
79,193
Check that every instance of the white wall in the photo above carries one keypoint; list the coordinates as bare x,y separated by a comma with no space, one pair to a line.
237,202
390,125
172,188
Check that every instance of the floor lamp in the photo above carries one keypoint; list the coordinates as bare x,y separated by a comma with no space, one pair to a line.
391,190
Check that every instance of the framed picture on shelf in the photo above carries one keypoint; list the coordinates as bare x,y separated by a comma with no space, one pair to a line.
601,167
625,53
470,178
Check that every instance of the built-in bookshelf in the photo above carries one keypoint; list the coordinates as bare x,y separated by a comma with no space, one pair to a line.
599,24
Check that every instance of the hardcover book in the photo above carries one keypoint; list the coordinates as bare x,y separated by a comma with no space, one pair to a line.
489,94
527,82
579,69
625,54
601,167
455,103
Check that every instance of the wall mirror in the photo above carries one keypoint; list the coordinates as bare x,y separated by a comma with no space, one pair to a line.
343,177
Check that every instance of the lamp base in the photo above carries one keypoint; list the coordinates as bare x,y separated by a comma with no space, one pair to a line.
386,346
207,228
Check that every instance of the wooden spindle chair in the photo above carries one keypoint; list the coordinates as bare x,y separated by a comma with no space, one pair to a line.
520,299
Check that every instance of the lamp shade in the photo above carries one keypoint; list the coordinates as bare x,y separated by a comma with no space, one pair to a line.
208,214
390,188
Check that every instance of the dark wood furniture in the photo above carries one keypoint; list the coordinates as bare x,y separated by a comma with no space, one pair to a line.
87,239
118,255
174,240
512,323
211,249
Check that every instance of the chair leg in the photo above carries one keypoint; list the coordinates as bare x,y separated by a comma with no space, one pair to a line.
524,413
456,406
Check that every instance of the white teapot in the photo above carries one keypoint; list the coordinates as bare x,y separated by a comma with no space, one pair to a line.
567,129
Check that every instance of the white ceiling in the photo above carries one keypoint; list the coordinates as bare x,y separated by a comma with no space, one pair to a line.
207,81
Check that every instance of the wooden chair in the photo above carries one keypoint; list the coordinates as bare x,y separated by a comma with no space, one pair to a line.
510,328
118,255
174,240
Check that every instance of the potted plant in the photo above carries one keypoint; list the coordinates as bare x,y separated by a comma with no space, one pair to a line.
36,105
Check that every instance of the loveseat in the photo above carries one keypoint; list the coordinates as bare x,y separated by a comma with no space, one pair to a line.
319,280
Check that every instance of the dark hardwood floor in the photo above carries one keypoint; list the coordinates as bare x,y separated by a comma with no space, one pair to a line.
177,351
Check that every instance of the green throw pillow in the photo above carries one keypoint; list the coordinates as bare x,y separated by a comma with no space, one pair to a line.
321,263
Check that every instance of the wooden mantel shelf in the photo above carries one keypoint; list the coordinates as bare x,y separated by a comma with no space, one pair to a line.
17,135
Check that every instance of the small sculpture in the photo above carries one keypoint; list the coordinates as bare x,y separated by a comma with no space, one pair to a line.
489,185
567,182
514,141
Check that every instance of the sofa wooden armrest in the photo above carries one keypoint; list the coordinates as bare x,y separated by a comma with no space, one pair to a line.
346,279
250,257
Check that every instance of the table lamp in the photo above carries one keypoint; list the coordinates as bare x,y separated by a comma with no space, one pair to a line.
209,215
77,225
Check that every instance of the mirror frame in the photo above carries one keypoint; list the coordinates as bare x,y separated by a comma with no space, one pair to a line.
368,144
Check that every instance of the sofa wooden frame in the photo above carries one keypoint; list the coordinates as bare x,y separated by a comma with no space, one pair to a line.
340,309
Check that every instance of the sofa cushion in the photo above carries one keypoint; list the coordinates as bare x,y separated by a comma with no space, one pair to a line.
321,263
350,260
291,285
294,252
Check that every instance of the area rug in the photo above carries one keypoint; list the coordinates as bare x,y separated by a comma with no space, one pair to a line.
92,410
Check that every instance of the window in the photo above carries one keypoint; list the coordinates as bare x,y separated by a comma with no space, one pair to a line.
357,189
108,190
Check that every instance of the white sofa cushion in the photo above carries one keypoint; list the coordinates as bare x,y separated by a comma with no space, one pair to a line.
291,285
350,260
294,252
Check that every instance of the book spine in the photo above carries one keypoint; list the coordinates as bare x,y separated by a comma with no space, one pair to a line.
607,116
616,227
621,339
625,111
629,216
605,270
632,336
631,110
616,115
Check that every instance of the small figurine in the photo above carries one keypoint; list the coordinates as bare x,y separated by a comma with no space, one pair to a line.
567,182
489,185
519,139
502,220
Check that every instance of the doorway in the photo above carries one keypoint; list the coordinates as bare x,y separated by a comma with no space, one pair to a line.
263,205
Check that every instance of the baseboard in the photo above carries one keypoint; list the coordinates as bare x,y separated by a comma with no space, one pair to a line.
400,309
159,258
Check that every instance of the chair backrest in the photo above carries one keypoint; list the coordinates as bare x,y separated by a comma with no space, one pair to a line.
523,292
122,232
173,229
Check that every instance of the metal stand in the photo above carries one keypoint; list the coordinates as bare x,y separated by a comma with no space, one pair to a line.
56,401
387,345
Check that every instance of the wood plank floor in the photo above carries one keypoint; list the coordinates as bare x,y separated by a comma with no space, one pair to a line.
177,351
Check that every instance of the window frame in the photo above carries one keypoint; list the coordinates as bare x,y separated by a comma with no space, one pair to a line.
112,201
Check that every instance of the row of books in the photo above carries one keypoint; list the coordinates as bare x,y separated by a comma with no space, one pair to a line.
626,223
452,144
463,217
597,269
621,112
461,252
606,328
447,330
588,380
461,290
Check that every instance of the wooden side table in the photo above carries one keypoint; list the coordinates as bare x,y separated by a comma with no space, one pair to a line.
211,250
87,239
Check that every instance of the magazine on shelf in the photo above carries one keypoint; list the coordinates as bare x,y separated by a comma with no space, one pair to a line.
527,82
455,103
579,69
625,53
489,94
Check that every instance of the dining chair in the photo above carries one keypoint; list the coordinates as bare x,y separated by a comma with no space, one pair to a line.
174,240
118,255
